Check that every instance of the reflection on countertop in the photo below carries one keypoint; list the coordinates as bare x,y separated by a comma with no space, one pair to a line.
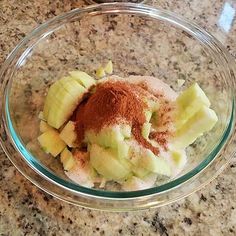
226,18
26,210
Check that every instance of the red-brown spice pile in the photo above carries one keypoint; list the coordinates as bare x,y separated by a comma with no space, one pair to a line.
165,122
160,138
111,103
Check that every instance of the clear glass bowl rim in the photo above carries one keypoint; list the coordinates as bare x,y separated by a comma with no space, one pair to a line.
126,8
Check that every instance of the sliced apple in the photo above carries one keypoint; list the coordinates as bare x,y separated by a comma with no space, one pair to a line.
107,137
62,105
69,135
51,142
62,99
106,164
203,121
148,115
147,160
146,130
154,163
140,171
81,170
100,72
43,126
134,183
178,157
67,159
153,105
122,150
83,78
48,100
189,102
109,67
125,130
72,86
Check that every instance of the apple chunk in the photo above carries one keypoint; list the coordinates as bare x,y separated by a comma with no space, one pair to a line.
68,134
51,142
106,164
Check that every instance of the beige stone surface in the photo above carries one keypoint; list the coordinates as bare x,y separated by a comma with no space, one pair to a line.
26,210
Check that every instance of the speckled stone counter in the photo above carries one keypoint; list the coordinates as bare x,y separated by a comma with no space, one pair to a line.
26,210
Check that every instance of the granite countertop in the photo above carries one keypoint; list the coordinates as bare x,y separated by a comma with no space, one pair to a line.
26,210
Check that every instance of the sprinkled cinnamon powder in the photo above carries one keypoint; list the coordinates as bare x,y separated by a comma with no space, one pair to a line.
113,102
165,128
138,136
160,137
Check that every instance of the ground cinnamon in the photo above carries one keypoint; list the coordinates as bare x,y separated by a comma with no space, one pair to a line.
160,137
113,102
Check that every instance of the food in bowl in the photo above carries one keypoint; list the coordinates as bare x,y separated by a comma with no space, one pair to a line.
132,131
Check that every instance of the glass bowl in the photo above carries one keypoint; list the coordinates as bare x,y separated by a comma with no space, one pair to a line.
140,40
